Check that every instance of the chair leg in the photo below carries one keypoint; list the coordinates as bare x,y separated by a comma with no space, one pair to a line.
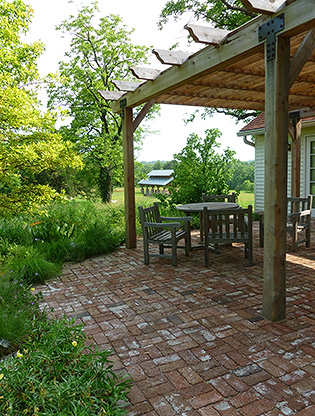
308,236
174,249
187,245
146,252
161,248
174,255
250,253
206,254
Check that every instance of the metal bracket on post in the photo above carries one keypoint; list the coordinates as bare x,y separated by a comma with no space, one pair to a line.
123,105
268,31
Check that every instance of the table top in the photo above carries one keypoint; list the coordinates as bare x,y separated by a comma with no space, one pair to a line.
199,206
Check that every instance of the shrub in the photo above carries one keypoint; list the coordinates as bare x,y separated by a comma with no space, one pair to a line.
35,248
18,308
26,263
55,374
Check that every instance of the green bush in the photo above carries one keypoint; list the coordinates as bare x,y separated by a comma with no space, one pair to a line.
28,264
34,248
18,308
55,374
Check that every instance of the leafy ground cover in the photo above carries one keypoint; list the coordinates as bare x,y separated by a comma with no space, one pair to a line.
55,373
32,249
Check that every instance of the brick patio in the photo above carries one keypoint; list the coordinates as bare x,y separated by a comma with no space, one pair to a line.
192,338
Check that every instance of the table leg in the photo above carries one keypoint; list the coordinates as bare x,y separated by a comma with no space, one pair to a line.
201,226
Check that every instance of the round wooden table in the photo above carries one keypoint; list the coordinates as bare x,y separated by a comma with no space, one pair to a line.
199,206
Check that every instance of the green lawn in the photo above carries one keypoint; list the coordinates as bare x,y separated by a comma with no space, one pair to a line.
244,199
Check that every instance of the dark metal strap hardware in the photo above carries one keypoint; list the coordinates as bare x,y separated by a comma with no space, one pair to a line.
268,31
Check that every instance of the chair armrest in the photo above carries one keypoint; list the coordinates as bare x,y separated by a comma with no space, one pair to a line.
177,218
300,214
162,225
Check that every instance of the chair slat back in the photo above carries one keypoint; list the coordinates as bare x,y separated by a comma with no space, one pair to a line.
228,224
219,198
150,214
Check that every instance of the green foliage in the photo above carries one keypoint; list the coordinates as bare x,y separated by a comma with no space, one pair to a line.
56,374
98,54
248,186
28,143
223,14
242,171
18,308
33,249
28,264
199,169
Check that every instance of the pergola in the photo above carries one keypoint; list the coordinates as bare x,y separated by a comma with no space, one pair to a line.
267,64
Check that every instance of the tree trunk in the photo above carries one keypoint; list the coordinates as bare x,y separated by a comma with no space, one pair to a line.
105,184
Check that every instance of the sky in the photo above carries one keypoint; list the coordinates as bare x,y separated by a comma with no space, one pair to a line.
170,132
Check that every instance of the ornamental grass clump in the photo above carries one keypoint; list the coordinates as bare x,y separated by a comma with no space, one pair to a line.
19,307
56,374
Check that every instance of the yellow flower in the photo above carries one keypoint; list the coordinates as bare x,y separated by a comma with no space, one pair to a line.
19,355
25,350
33,289
1,397
1,376
74,343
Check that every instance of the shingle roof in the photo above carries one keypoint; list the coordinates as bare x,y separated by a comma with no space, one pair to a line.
259,123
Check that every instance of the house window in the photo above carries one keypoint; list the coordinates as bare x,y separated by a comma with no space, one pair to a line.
312,169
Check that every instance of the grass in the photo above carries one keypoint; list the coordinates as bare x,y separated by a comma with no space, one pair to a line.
244,198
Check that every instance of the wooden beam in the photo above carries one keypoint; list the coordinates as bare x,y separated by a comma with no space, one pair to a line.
275,200
301,56
208,35
296,158
126,85
263,6
307,112
144,111
129,179
110,95
145,73
239,44
170,57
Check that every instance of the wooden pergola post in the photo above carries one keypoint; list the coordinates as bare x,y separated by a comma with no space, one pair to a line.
276,154
129,178
296,157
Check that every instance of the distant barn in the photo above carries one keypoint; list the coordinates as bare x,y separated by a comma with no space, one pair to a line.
157,182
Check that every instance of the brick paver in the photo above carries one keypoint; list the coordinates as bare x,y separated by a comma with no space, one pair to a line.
193,338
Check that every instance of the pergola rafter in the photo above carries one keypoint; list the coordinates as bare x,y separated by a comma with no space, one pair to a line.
267,64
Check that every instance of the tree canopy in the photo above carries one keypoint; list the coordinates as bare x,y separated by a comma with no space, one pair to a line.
100,51
223,14
199,169
28,142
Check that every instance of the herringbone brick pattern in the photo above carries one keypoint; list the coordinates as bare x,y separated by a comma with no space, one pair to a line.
193,338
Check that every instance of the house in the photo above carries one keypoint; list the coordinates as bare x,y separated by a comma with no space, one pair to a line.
254,135
157,179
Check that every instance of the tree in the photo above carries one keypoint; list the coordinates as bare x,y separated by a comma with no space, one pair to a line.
242,171
98,54
199,169
223,14
28,143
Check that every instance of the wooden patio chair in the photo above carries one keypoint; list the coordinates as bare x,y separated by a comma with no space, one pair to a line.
299,221
219,198
166,235
227,227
